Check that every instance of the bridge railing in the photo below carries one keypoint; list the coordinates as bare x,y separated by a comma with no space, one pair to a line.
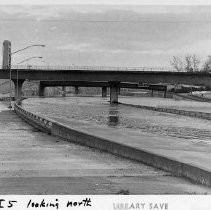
96,68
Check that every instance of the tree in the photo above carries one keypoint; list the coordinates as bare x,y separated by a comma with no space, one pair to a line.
177,63
196,62
190,63
207,65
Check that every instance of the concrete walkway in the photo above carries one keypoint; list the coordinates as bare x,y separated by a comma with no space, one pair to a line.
33,162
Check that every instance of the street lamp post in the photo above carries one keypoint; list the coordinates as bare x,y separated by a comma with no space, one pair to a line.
34,45
10,59
17,69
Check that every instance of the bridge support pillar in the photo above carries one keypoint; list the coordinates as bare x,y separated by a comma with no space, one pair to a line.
18,88
165,93
41,90
63,91
104,92
114,91
76,90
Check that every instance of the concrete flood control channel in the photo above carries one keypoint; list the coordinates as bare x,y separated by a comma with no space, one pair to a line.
187,154
33,162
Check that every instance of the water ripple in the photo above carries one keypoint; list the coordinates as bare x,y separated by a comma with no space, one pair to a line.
99,111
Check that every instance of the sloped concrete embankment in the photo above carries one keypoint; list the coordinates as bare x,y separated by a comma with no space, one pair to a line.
202,115
176,167
192,97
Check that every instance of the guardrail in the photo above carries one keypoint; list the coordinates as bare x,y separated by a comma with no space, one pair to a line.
96,68
202,115
198,98
41,123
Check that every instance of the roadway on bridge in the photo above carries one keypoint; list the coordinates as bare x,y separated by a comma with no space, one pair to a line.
33,162
150,77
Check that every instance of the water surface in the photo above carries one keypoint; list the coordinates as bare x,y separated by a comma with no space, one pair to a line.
100,112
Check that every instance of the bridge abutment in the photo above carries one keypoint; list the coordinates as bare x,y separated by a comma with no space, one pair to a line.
114,91
18,88
104,92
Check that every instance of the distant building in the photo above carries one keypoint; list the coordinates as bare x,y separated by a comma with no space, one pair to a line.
6,54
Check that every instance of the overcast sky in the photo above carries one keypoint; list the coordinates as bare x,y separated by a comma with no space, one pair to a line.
106,35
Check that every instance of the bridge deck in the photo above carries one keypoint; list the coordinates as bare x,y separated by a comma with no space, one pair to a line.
153,77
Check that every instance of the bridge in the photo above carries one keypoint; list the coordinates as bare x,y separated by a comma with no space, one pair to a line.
114,77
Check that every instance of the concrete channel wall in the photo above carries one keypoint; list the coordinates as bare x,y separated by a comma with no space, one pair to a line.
177,168
192,97
202,115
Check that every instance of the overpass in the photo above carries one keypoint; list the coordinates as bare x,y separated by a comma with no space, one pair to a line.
113,76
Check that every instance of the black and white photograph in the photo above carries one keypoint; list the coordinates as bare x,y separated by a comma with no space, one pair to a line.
105,99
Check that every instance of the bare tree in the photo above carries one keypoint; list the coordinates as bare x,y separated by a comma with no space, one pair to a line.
188,63
196,62
177,63
207,65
